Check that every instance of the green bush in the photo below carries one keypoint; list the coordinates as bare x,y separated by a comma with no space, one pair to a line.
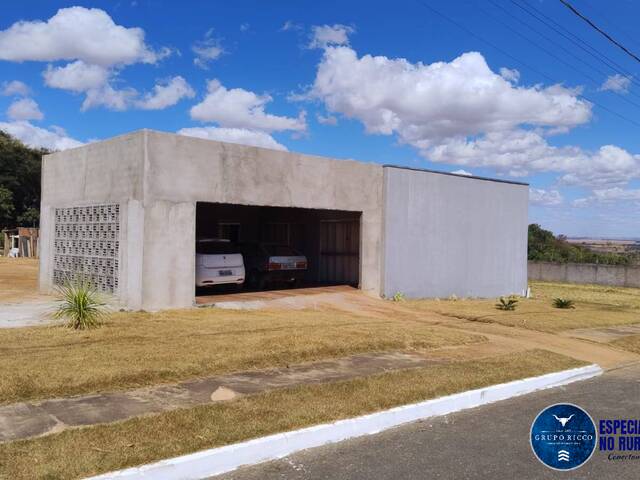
563,303
80,305
507,303
398,297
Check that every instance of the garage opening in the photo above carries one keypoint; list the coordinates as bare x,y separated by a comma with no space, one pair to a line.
278,247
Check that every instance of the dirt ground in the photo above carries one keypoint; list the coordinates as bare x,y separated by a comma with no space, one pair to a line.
18,279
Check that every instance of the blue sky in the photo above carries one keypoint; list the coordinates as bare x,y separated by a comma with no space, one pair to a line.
375,81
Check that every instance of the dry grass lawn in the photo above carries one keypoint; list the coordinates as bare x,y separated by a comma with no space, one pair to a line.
18,279
595,306
630,343
89,451
140,349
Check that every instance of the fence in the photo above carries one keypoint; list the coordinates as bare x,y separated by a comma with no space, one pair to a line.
614,275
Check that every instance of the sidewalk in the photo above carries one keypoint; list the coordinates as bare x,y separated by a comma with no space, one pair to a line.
30,419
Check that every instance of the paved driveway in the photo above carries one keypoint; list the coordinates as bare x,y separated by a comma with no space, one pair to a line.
486,442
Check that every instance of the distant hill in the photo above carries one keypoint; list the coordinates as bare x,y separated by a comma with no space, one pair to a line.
545,246
20,168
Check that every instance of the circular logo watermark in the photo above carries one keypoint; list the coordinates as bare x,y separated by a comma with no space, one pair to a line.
563,436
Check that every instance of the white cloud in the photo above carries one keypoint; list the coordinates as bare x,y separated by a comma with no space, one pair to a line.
53,139
510,74
94,81
520,152
234,135
24,109
239,108
327,119
110,98
244,27
207,50
290,25
166,94
539,196
426,104
609,195
14,87
77,76
616,83
76,33
462,172
462,113
95,47
323,36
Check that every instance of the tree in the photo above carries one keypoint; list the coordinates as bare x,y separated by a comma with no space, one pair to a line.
29,218
20,168
6,205
544,246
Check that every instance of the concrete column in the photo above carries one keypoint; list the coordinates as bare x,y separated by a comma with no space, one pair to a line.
45,275
168,268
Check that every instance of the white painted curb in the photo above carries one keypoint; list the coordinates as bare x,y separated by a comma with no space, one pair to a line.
225,459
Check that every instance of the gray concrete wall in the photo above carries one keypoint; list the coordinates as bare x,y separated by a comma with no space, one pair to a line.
453,235
104,172
181,171
586,273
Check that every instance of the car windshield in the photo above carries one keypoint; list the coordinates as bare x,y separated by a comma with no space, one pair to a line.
280,251
215,248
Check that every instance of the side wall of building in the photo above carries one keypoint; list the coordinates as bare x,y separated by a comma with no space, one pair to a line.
181,171
102,174
452,235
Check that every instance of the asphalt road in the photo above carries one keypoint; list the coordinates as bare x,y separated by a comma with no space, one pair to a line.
486,442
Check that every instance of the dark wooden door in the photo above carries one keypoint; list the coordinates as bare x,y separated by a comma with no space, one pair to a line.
340,252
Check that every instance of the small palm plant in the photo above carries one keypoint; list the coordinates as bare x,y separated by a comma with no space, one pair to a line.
80,305
563,303
507,303
398,297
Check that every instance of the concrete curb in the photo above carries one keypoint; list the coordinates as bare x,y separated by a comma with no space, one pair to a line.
225,459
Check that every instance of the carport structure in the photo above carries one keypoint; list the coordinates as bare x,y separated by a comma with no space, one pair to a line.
126,213
330,239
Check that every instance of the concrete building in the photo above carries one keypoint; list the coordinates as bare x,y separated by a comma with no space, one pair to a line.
127,211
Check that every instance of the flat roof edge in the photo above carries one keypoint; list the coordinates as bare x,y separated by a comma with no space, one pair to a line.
473,177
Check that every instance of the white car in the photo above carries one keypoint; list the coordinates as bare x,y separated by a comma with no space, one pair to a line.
218,262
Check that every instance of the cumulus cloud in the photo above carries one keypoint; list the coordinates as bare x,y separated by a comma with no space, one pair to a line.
94,47
609,195
520,152
462,113
110,98
616,83
76,33
166,94
207,50
77,76
327,119
323,36
234,135
510,75
14,87
239,108
462,172
548,198
425,104
24,109
54,138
